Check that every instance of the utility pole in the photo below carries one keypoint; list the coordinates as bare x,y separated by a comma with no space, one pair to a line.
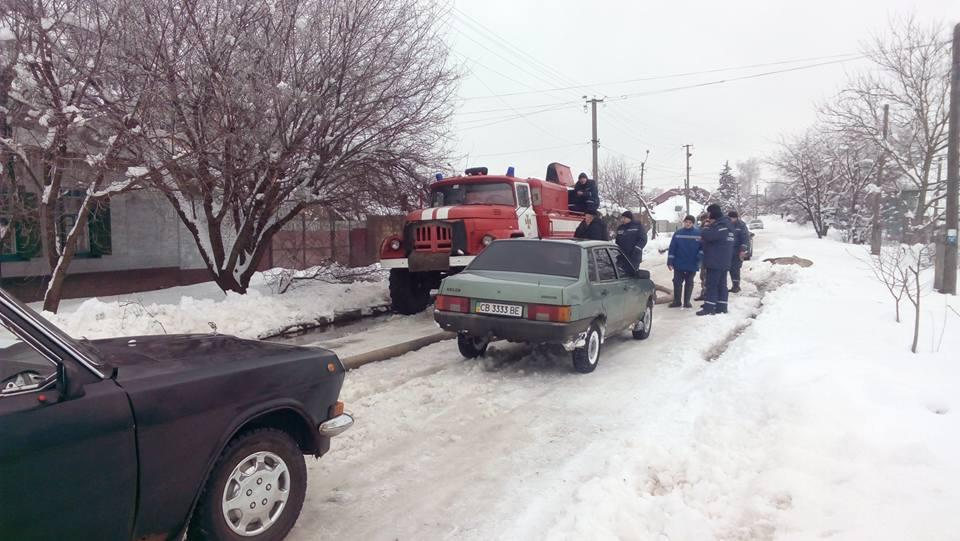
643,167
875,234
596,142
936,195
686,182
953,171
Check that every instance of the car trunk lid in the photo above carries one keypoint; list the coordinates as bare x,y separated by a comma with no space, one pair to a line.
508,287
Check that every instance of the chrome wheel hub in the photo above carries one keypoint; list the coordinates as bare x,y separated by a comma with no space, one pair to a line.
593,347
256,493
648,320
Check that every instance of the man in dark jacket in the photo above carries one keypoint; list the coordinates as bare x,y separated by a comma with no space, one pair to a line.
631,238
741,244
591,227
683,258
717,238
585,195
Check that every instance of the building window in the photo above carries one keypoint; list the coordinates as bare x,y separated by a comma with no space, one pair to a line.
94,240
8,241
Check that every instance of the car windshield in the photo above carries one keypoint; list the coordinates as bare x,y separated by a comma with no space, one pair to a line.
83,346
532,257
487,193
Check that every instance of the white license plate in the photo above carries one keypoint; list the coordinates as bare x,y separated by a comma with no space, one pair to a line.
496,309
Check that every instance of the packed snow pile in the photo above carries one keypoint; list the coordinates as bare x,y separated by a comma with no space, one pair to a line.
201,308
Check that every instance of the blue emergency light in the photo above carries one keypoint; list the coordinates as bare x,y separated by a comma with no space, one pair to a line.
510,171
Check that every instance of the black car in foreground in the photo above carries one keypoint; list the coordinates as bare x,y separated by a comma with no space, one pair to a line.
149,438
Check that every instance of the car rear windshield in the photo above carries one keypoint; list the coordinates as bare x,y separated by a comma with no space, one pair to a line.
553,258
489,193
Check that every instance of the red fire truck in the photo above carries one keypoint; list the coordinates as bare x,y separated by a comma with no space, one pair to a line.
465,215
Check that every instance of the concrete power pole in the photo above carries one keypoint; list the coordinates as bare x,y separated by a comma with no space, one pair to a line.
686,182
876,238
953,172
596,142
643,167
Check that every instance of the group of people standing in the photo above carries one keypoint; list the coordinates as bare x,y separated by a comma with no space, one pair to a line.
715,249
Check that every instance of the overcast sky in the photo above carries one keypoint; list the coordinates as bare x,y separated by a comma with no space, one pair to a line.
523,46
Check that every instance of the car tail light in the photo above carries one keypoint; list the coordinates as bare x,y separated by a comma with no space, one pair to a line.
548,312
336,409
449,303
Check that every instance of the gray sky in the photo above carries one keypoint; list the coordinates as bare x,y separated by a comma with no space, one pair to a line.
514,46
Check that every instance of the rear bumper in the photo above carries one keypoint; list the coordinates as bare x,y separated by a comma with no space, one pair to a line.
404,263
512,329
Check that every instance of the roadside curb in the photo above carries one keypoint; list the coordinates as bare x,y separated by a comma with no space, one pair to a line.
338,318
382,354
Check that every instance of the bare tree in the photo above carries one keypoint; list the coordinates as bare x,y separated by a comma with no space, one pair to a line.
912,77
268,108
899,267
888,268
619,183
60,112
813,179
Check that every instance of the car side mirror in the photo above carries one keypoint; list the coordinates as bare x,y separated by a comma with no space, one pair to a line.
69,384
643,274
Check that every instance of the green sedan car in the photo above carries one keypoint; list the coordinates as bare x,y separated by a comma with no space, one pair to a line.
572,293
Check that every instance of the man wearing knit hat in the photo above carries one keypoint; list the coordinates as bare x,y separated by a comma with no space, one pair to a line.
717,238
631,238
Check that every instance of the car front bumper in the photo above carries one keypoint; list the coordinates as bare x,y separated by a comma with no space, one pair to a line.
512,329
336,426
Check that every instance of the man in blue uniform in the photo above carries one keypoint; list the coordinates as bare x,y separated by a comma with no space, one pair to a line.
741,244
683,258
717,238
585,196
631,238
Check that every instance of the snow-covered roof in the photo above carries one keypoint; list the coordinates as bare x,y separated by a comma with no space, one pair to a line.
667,210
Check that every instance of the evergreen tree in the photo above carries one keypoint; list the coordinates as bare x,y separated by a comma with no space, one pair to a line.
728,193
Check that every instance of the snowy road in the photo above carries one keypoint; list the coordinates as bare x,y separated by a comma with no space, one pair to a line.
512,446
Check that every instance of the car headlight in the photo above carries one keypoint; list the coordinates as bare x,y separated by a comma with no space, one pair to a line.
394,244
486,240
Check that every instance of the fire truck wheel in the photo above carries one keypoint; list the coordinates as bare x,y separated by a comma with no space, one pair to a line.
409,292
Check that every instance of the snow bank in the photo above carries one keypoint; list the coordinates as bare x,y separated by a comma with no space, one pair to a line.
816,422
198,308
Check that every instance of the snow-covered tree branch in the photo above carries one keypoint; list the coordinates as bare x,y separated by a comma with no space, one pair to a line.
268,108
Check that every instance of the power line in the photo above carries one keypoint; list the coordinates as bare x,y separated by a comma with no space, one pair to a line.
672,76
580,144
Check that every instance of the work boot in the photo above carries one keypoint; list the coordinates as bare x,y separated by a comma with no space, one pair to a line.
735,289
675,304
705,312
699,297
687,305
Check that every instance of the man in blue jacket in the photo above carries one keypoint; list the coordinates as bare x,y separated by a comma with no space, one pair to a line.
683,259
717,238
585,196
631,238
741,245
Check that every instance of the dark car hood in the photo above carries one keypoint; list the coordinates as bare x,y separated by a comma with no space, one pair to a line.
141,355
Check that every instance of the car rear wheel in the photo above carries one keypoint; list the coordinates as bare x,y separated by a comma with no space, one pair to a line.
585,358
409,291
472,347
255,491
641,331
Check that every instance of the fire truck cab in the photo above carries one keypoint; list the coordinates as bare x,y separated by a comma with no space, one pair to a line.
466,214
